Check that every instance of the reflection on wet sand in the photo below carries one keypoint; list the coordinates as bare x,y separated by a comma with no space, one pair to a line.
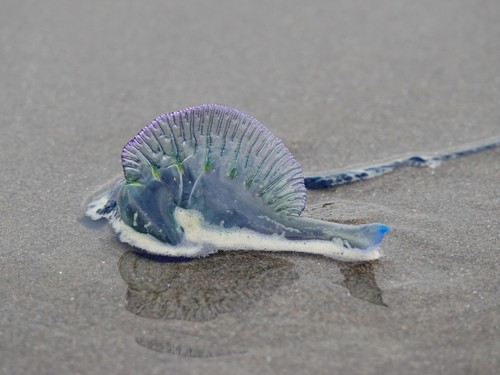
359,279
200,290
187,345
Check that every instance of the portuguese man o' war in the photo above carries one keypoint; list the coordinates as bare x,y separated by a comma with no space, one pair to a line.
212,178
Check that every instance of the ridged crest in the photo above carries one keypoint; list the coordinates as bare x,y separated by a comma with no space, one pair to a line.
221,140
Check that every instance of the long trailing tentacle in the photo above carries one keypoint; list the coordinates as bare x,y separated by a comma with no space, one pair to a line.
360,174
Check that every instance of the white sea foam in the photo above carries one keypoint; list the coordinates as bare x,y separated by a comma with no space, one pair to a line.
96,205
201,239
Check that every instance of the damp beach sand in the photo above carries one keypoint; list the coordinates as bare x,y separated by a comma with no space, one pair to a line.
343,84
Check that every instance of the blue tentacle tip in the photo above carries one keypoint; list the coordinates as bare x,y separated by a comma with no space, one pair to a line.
383,229
380,231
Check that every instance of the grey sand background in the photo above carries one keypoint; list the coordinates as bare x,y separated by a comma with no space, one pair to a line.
342,83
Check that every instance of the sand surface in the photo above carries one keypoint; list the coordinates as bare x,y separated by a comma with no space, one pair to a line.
342,83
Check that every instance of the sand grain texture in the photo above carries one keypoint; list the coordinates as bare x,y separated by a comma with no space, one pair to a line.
342,83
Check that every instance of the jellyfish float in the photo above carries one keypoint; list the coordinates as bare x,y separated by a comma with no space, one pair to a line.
210,178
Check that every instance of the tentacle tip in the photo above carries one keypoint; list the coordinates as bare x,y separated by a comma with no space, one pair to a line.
383,229
378,234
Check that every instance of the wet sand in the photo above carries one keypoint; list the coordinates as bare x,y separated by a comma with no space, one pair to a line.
342,84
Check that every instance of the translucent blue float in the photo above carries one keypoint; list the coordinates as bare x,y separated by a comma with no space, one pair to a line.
211,178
